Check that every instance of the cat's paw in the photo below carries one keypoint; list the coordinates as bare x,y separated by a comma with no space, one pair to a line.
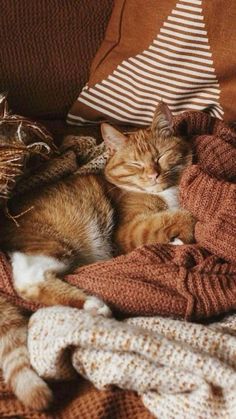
176,242
97,307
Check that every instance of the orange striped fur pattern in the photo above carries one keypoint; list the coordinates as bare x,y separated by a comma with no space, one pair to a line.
14,359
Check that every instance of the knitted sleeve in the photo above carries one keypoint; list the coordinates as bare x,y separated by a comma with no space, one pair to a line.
213,203
180,281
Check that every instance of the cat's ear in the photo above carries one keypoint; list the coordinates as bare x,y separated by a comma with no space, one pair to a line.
113,138
162,123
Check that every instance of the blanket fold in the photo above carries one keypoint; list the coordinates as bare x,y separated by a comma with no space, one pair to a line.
182,281
179,369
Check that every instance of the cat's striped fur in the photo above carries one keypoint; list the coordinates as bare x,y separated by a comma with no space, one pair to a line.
14,359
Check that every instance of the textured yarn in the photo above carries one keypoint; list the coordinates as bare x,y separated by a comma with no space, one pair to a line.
181,281
213,203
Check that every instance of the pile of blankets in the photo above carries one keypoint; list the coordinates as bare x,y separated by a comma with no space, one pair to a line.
175,366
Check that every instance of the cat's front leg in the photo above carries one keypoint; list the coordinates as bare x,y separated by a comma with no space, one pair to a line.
178,226
36,279
162,227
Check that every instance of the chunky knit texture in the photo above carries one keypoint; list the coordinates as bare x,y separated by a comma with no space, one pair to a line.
78,154
181,370
213,203
208,189
181,281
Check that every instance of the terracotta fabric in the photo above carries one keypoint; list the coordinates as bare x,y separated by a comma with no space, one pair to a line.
46,50
78,399
184,282
214,207
193,281
178,51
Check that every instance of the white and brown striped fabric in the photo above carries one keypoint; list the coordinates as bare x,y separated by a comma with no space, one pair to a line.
180,52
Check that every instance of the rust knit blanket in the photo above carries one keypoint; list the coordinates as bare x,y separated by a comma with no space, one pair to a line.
192,281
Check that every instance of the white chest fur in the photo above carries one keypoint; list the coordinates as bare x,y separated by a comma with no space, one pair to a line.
171,197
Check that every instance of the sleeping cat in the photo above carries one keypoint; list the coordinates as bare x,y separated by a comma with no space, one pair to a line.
87,218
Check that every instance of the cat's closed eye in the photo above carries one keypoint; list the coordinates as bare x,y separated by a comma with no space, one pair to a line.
137,164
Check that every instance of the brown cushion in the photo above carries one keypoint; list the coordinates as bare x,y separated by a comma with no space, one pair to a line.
46,50
182,52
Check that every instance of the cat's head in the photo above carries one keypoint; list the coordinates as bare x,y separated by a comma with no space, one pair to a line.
148,160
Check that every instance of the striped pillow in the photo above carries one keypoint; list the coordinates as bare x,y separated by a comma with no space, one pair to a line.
181,52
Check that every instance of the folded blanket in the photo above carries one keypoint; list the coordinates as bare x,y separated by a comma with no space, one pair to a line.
181,370
180,281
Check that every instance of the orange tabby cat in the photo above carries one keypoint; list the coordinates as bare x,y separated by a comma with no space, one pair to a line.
78,220
146,167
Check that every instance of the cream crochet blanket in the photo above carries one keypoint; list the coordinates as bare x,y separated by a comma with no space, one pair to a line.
181,370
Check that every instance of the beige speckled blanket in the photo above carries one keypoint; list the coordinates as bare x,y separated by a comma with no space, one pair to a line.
181,370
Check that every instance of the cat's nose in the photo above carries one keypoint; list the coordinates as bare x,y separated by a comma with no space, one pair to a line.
153,176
